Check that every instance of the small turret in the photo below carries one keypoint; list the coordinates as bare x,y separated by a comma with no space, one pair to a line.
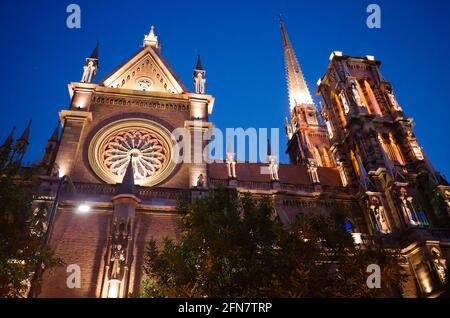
90,69
199,77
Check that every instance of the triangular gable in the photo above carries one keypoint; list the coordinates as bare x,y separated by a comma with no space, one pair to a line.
146,70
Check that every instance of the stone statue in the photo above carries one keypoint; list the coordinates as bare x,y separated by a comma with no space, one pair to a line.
379,214
406,207
393,100
88,72
118,250
439,265
200,181
273,166
199,83
356,95
117,258
344,102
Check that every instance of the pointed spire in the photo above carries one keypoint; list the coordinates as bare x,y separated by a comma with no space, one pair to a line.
297,88
9,140
199,77
127,185
199,64
151,39
269,148
26,133
55,135
94,54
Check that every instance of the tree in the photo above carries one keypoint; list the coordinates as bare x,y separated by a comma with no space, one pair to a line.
21,229
234,246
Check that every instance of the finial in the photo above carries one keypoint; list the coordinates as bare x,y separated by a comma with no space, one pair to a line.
151,39
9,140
199,66
26,132
94,54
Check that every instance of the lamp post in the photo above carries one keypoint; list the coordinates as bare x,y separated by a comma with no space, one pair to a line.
49,231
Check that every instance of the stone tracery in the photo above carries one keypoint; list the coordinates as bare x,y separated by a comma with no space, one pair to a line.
148,145
148,152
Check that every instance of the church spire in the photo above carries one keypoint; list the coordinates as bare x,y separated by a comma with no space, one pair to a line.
127,185
21,145
26,133
94,54
9,140
199,77
298,90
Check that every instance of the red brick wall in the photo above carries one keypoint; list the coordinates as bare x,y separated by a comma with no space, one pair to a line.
82,238
77,239
149,225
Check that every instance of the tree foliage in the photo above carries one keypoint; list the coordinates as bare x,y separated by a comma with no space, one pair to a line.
21,230
235,246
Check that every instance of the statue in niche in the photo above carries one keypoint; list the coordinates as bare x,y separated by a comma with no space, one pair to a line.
378,212
273,166
118,250
54,171
407,208
200,181
88,71
438,264
447,199
356,95
199,83
393,100
344,102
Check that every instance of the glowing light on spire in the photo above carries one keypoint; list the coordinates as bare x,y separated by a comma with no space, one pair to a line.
297,89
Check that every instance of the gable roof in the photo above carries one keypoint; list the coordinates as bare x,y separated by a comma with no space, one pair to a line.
145,70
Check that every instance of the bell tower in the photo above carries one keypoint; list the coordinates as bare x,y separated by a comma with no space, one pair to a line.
374,144
307,136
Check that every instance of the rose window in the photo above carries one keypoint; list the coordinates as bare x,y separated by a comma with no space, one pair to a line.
147,146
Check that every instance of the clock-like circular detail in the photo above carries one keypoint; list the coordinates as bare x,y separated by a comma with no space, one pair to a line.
146,144
145,83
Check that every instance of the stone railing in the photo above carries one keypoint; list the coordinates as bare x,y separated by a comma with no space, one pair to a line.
253,185
297,187
144,193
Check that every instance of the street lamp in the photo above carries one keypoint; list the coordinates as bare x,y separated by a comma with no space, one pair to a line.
84,208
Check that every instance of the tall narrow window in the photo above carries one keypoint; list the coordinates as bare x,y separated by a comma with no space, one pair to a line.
328,162
318,157
354,163
398,153
340,110
373,101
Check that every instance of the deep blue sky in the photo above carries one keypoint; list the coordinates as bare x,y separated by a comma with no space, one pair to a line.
241,51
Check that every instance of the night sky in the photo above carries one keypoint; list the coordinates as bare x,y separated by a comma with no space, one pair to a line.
241,51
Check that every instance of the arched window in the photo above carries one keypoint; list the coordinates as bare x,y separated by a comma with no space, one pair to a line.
318,157
354,163
328,162
340,110
396,149
375,108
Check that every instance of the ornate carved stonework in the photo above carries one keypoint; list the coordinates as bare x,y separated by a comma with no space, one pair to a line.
148,144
